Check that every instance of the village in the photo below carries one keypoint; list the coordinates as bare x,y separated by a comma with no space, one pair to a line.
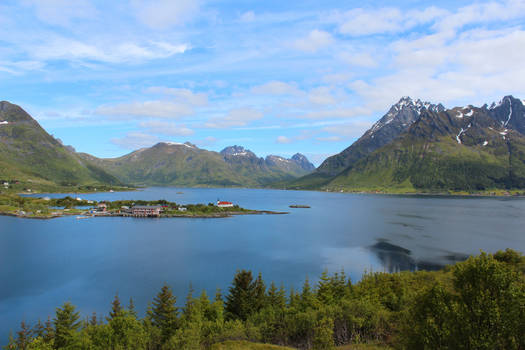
164,209
47,208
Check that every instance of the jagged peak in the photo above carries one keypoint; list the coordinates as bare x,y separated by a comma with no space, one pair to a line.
236,151
506,99
299,156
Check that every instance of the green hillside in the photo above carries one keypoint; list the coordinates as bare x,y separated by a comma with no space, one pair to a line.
172,164
29,154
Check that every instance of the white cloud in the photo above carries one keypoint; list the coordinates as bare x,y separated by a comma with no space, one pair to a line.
61,48
166,128
359,22
248,16
276,88
321,96
164,14
314,41
20,67
283,140
158,109
236,117
361,59
487,12
61,12
181,95
135,140
337,78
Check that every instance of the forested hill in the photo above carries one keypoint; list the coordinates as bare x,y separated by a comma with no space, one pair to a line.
185,164
420,146
476,304
29,154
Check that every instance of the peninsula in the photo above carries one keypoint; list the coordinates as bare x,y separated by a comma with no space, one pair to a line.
48,208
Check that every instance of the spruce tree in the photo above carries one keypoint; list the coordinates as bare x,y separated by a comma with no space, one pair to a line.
66,324
240,300
39,329
93,319
131,308
116,308
259,294
163,313
23,336
49,332
11,344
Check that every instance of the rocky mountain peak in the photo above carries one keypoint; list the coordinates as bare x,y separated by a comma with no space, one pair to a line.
303,162
509,112
237,151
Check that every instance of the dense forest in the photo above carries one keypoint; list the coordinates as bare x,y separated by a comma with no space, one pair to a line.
475,304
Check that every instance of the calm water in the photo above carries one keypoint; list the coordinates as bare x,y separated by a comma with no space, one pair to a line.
46,262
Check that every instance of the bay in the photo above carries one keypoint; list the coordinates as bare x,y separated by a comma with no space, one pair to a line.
46,262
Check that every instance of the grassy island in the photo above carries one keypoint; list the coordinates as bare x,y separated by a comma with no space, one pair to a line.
46,208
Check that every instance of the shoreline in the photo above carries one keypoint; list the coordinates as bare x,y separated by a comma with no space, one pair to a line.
162,216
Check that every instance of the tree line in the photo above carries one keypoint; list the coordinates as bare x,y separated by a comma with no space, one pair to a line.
475,304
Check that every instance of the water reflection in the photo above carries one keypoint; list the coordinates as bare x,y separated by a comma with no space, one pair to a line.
395,258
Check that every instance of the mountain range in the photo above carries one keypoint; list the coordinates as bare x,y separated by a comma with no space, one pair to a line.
184,164
29,154
423,146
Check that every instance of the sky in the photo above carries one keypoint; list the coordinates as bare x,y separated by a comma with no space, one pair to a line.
277,77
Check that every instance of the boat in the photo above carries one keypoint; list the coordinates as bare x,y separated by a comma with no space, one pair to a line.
299,206
82,217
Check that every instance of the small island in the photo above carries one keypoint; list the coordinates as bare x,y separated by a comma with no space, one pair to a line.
47,208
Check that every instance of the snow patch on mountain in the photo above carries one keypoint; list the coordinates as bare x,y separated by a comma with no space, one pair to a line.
177,144
510,112
461,132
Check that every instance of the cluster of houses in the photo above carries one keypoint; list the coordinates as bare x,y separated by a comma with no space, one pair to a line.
145,210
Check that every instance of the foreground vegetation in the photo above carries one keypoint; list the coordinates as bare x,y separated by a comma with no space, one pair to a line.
476,304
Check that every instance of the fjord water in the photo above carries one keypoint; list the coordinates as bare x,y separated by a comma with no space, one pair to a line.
46,262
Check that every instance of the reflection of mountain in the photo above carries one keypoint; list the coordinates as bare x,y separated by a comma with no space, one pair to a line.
395,258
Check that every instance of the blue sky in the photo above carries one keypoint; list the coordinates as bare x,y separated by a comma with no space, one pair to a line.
277,77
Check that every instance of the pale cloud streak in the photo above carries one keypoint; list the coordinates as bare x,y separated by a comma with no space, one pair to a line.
166,128
276,88
235,118
158,109
164,14
315,40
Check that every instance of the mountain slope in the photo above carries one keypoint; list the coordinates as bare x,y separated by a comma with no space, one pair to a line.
29,153
462,149
185,164
467,149
396,121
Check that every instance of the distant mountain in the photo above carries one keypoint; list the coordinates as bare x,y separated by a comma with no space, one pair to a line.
184,164
420,146
29,154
